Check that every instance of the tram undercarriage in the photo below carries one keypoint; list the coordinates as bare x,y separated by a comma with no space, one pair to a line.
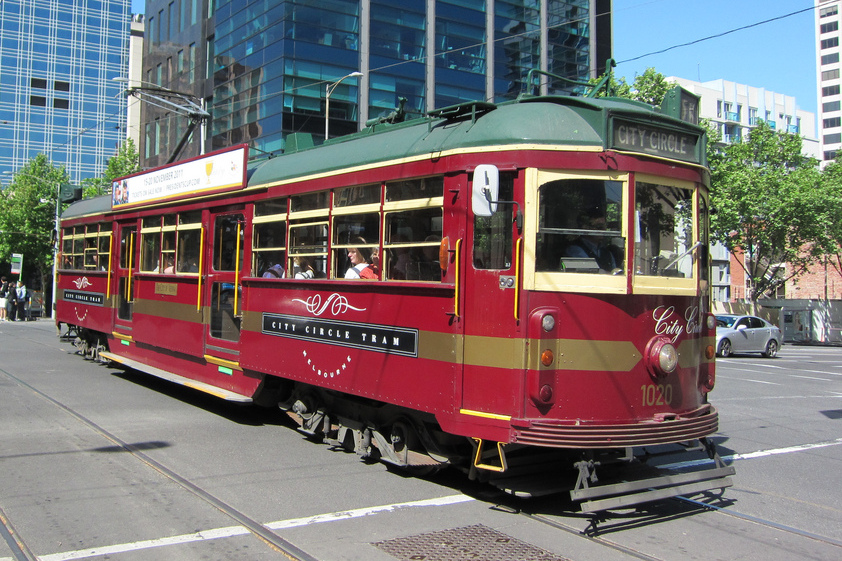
412,440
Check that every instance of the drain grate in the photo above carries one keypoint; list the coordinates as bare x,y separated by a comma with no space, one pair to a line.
477,543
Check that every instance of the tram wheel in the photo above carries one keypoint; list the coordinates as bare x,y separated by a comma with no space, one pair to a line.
724,348
771,349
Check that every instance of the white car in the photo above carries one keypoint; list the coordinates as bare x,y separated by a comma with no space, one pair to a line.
746,334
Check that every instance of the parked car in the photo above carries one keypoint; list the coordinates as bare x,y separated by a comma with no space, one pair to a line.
746,334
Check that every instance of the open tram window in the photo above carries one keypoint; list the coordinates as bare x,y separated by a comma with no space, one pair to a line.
269,239
665,245
493,234
580,226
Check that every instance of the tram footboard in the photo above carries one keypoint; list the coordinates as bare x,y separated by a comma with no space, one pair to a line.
638,491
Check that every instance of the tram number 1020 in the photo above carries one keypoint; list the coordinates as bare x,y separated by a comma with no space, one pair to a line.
656,395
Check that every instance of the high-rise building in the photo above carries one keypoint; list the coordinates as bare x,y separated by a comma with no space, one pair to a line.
58,59
828,71
263,68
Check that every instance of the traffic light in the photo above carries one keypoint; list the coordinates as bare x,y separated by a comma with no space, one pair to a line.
69,193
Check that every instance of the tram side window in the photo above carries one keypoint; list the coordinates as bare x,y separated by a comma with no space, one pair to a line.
413,229
269,239
150,245
580,227
360,232
96,250
308,250
73,248
493,234
188,242
664,222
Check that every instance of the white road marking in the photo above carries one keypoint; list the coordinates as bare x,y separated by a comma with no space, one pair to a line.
232,531
758,454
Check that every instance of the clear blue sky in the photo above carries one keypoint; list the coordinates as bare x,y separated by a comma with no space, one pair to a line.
779,56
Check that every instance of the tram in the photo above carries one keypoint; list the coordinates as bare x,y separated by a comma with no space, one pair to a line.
490,287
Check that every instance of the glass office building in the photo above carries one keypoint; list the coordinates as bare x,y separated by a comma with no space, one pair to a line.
58,59
269,62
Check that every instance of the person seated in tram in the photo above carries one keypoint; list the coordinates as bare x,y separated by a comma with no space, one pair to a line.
591,244
303,268
361,262
276,271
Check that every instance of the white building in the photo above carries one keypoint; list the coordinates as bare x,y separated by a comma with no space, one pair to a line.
737,108
828,75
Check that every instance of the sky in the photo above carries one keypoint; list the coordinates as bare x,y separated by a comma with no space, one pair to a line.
778,56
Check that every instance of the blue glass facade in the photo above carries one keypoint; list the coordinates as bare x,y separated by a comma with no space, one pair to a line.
57,96
270,61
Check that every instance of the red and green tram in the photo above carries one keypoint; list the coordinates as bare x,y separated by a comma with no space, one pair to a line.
536,286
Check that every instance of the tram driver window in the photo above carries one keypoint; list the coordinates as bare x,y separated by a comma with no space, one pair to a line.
493,234
665,238
579,227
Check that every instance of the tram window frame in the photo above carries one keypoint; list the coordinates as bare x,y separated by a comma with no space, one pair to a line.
359,222
557,280
97,247
150,244
659,284
411,251
309,245
269,221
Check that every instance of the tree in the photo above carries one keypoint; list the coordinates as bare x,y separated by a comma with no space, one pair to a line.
832,183
125,162
649,87
27,217
771,211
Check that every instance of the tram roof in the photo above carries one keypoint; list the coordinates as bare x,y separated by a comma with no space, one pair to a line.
551,120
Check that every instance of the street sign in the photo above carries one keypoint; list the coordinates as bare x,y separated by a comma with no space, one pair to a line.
17,263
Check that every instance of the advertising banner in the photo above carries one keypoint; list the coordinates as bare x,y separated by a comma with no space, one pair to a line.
223,170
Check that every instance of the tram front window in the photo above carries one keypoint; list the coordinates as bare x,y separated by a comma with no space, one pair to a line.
664,222
579,227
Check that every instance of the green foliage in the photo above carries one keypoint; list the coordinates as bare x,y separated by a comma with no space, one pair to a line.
832,183
27,216
649,87
125,162
770,206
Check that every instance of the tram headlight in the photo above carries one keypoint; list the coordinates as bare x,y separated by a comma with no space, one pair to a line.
661,357
711,321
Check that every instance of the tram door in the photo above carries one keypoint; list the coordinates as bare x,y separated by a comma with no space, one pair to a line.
125,289
224,296
493,345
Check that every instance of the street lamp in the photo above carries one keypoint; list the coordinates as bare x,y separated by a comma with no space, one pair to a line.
329,90
55,244
181,103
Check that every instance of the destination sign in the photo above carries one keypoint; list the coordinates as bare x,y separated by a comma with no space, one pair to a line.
378,338
659,141
92,298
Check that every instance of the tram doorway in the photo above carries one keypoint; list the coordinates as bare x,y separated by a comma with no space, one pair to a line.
223,291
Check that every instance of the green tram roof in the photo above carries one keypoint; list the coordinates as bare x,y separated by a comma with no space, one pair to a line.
550,120
567,121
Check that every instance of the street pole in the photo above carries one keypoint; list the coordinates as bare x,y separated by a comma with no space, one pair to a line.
329,90
55,253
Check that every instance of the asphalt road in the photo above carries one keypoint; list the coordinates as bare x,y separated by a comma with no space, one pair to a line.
97,463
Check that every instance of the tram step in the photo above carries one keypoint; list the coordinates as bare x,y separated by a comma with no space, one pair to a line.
172,377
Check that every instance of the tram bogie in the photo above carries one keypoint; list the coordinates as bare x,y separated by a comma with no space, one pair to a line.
495,287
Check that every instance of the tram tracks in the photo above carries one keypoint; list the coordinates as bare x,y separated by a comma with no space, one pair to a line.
591,533
260,531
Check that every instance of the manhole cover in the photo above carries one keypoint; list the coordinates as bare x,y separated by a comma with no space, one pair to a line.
478,543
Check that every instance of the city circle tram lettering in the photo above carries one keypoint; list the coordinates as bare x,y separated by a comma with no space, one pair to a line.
91,298
378,338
